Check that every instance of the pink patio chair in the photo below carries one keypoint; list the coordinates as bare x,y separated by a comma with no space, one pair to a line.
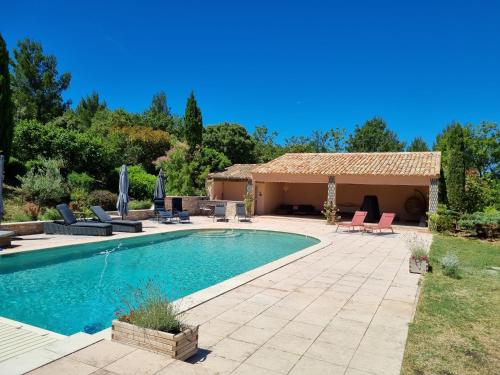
357,221
385,222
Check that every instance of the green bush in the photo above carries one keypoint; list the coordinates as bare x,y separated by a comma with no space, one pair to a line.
14,211
12,169
43,184
80,181
450,265
139,205
103,198
142,184
444,220
481,224
79,199
50,214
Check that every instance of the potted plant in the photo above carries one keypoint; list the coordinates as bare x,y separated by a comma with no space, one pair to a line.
419,258
330,212
150,321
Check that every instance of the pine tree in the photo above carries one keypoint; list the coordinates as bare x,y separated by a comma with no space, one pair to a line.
418,145
455,176
6,108
193,124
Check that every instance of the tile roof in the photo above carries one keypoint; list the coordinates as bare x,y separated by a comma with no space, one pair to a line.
358,164
235,172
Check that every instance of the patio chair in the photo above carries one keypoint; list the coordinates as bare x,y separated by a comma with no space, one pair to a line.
241,212
357,221
220,212
158,206
183,217
167,217
385,222
69,225
118,225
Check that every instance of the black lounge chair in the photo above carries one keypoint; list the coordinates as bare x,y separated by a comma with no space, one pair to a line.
69,225
220,212
159,206
183,217
167,217
118,225
241,212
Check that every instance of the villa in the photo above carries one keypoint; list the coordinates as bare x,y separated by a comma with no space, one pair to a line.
403,182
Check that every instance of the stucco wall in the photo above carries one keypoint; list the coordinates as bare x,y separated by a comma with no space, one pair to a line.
390,198
268,197
315,194
228,190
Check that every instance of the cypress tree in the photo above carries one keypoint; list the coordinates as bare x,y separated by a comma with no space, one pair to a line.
194,123
455,178
6,108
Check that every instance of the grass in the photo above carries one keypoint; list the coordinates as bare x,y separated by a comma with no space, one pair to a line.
457,326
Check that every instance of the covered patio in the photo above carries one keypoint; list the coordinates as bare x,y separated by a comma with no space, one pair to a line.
405,183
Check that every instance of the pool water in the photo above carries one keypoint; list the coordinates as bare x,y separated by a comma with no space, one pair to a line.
78,288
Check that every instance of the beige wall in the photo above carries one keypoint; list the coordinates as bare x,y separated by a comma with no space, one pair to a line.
228,190
390,198
268,196
315,194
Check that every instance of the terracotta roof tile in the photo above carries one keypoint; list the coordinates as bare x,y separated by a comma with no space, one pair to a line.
363,163
235,172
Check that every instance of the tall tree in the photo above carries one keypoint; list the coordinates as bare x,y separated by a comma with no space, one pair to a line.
193,123
374,136
266,148
36,84
232,140
159,104
6,110
455,171
88,107
418,145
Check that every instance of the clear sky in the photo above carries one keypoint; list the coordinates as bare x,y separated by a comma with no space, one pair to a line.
293,66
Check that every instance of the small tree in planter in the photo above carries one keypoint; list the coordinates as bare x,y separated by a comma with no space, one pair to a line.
150,321
330,212
419,258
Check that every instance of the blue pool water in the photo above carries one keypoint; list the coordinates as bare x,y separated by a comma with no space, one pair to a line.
78,288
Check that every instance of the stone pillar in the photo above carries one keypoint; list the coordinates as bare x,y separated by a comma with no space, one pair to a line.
249,187
433,194
332,189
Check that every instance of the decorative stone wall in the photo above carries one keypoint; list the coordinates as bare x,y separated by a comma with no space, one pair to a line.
332,191
433,194
189,203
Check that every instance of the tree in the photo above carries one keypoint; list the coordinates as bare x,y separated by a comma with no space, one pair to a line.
158,115
159,104
483,147
374,136
455,173
6,110
417,145
331,140
232,140
36,84
193,124
266,148
88,107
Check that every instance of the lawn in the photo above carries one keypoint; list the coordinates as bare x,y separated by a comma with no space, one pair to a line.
457,323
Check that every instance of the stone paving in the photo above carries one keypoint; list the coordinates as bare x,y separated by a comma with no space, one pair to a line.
343,309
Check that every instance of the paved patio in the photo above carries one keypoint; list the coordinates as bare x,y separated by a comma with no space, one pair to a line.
343,309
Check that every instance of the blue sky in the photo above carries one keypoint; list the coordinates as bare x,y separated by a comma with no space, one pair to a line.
292,66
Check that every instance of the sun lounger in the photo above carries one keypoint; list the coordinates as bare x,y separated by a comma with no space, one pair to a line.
241,212
5,238
220,212
118,225
69,225
357,221
159,206
183,217
385,222
167,217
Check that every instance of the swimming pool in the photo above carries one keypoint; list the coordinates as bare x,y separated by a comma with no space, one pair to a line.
78,288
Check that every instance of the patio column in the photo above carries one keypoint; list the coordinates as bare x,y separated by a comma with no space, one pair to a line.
249,187
433,194
332,189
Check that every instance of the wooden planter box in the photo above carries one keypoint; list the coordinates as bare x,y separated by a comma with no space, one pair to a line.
420,266
180,346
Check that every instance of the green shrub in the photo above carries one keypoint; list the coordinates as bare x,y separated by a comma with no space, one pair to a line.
481,224
444,220
139,205
149,308
79,199
142,184
14,211
12,169
103,198
80,181
43,184
450,265
50,214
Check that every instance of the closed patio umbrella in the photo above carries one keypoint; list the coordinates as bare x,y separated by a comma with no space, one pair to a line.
1,186
160,186
122,203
